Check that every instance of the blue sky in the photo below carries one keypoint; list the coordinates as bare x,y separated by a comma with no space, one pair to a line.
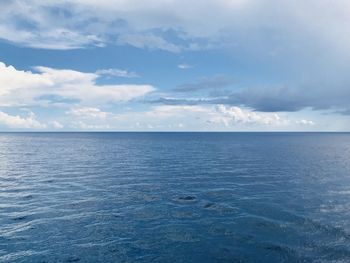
223,65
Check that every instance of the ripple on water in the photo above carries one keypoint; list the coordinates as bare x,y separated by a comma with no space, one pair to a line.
200,197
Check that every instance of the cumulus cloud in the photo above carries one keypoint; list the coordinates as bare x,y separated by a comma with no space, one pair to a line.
216,117
23,88
239,115
164,117
18,122
229,115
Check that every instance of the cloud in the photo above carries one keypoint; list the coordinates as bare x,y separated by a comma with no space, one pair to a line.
165,117
88,112
271,98
80,23
23,88
344,112
181,101
293,54
184,66
80,125
289,43
55,38
239,115
210,117
112,72
305,122
56,125
148,41
18,122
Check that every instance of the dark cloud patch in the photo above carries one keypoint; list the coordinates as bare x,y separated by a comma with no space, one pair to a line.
206,83
278,99
345,112
266,99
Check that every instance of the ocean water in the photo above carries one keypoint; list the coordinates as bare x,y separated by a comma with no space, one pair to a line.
174,197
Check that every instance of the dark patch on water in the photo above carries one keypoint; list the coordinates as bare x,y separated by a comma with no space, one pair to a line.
73,259
20,218
209,205
28,197
187,198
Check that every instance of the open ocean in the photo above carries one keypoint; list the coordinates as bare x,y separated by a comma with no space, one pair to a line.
175,197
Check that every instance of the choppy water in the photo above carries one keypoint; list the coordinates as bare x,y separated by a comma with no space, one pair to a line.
174,197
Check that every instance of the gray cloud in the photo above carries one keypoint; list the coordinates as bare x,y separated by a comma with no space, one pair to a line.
277,99
345,112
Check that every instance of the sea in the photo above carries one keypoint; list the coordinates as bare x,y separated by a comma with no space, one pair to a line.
174,197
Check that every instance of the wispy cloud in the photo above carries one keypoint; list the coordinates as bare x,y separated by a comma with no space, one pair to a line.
184,66
148,41
120,73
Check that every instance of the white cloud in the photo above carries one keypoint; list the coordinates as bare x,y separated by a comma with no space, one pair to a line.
219,114
89,112
18,122
304,122
30,88
80,125
219,117
229,115
235,115
184,66
56,125
117,73
165,117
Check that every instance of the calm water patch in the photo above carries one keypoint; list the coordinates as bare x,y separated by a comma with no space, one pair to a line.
174,197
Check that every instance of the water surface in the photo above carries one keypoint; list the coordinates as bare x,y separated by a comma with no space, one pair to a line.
174,197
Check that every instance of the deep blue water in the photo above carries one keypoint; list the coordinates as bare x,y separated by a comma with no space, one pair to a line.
174,197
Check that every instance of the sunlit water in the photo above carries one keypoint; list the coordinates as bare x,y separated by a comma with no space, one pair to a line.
174,197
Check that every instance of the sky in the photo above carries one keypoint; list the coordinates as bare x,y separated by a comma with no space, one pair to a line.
174,65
